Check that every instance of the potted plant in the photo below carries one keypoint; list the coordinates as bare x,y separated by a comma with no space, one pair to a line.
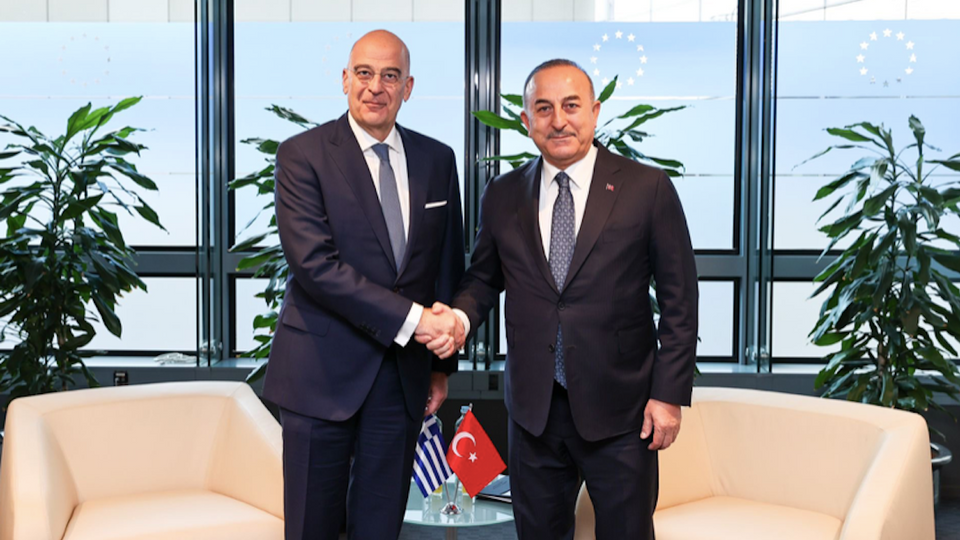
888,303
268,260
64,249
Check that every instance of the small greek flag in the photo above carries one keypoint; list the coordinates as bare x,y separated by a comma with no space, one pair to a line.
430,467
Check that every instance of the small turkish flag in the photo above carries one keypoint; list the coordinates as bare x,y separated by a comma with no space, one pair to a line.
473,457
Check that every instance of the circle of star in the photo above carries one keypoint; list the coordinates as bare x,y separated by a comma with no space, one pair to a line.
609,40
88,47
909,55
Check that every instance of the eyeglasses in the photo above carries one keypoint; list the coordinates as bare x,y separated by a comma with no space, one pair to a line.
388,77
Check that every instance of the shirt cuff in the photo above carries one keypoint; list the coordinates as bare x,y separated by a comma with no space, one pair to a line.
464,319
409,325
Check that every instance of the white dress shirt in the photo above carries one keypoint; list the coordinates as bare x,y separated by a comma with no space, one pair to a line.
581,176
398,161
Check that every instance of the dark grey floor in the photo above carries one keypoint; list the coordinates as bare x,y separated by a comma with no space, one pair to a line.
948,520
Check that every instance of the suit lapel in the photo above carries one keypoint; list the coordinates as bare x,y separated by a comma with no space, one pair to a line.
419,181
604,189
353,166
528,208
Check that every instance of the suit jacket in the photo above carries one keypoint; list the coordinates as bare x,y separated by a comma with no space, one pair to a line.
345,300
633,229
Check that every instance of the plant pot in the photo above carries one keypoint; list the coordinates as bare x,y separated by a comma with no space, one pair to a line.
939,456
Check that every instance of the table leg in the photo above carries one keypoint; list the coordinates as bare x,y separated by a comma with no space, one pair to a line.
451,533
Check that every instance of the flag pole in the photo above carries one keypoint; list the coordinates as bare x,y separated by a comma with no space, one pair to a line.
452,508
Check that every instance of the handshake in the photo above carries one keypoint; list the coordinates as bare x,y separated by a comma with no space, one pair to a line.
441,330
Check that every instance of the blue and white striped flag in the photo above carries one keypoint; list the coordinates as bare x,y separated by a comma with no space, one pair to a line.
430,467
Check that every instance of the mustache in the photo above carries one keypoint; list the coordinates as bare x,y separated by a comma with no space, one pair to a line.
556,134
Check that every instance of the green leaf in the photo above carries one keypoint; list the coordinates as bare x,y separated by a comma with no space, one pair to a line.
918,130
837,184
877,202
79,207
949,260
107,315
75,121
496,121
850,135
269,147
608,90
637,111
523,156
952,164
830,339
513,99
148,214
290,115
130,172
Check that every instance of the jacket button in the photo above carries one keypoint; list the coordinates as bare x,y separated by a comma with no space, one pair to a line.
552,348
396,289
561,306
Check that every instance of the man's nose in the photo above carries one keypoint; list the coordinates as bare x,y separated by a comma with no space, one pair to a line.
558,120
374,85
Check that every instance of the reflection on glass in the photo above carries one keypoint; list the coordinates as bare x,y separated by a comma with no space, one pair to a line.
69,64
841,63
664,64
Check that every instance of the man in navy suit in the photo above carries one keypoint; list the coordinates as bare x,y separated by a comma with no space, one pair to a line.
574,238
370,224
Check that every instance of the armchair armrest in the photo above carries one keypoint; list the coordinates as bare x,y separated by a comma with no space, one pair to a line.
37,493
247,461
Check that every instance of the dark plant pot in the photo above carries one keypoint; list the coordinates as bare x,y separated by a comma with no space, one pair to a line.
939,456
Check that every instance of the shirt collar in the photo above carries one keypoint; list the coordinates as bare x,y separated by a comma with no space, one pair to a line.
580,173
367,140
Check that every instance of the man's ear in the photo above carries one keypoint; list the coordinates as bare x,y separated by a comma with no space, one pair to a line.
408,88
526,121
346,81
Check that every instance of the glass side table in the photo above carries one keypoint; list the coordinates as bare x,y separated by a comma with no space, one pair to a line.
419,512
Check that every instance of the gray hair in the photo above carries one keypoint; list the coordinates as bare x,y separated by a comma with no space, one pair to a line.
556,62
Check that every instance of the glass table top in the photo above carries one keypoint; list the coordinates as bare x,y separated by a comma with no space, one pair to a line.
427,512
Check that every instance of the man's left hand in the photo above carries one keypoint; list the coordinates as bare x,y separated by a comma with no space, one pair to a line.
663,419
438,392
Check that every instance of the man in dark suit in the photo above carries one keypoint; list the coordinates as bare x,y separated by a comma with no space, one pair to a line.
574,238
370,224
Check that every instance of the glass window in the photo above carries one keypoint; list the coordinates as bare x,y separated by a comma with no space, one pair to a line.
665,54
162,319
307,48
794,315
248,306
841,63
78,54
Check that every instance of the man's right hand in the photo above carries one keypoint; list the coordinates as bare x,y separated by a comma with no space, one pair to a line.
441,330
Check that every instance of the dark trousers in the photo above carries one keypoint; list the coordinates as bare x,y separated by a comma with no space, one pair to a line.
545,473
320,482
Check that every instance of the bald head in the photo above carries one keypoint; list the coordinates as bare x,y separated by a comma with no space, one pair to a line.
383,40
377,81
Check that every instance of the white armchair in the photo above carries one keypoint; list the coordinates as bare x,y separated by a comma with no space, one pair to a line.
761,465
196,460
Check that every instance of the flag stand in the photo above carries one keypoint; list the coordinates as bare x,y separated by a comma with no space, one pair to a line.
452,508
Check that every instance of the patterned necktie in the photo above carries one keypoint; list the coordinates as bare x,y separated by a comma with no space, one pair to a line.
390,203
562,241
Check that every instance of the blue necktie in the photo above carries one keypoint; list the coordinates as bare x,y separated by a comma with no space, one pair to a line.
390,203
562,242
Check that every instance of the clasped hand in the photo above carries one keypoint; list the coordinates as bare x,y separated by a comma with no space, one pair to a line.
440,330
